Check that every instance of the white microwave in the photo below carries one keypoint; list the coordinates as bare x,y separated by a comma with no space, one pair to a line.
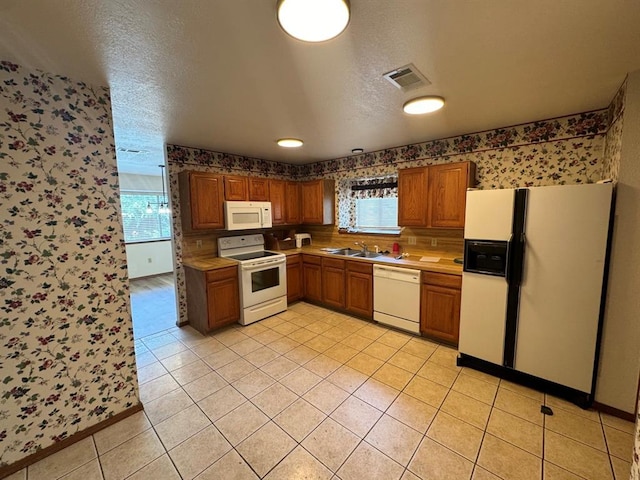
247,215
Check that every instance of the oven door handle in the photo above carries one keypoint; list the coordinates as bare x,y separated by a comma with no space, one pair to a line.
261,265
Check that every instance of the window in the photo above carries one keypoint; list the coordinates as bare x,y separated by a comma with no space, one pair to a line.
376,213
140,226
369,205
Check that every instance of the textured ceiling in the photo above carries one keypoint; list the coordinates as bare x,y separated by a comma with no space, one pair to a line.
222,75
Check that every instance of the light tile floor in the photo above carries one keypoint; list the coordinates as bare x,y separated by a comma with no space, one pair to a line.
315,394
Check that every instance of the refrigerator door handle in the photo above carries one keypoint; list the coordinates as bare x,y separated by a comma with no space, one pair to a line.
507,268
519,273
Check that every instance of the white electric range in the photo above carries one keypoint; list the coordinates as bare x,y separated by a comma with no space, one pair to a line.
262,276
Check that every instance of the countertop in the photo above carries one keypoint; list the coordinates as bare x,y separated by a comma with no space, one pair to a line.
208,263
445,265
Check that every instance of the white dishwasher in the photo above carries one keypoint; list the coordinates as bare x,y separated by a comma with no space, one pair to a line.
396,297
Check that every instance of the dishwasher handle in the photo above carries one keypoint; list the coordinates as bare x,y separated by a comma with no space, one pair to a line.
395,273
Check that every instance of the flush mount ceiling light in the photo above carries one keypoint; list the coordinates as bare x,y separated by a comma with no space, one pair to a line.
313,20
289,142
357,150
421,105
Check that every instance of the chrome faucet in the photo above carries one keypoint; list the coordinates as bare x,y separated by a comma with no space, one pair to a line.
365,249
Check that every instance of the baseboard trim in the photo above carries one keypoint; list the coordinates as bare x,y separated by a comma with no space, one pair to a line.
614,412
76,437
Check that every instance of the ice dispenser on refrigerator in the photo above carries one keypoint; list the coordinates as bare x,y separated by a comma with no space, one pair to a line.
485,257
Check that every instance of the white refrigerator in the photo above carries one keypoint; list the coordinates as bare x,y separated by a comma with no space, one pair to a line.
533,282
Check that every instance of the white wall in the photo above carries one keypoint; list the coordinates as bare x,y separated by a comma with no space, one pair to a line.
140,183
138,255
620,355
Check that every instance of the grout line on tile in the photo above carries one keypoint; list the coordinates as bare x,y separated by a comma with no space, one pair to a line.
606,443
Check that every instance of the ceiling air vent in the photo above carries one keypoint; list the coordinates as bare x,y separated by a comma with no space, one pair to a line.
407,78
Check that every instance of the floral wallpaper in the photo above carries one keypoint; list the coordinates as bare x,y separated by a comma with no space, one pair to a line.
557,151
613,139
67,357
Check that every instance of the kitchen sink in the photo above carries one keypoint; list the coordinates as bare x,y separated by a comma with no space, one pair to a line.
350,252
367,254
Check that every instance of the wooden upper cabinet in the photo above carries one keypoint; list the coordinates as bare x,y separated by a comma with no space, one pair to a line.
292,203
318,202
201,200
412,196
277,199
448,185
236,188
258,189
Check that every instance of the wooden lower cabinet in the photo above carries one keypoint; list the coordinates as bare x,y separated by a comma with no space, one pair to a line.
440,306
312,278
333,282
360,289
213,297
294,278
337,283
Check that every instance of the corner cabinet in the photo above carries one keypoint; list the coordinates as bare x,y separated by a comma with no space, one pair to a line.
285,202
318,202
294,278
448,185
440,306
292,203
213,297
277,199
435,196
201,200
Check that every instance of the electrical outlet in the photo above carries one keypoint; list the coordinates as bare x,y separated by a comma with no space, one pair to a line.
198,243
149,260
434,242
412,240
